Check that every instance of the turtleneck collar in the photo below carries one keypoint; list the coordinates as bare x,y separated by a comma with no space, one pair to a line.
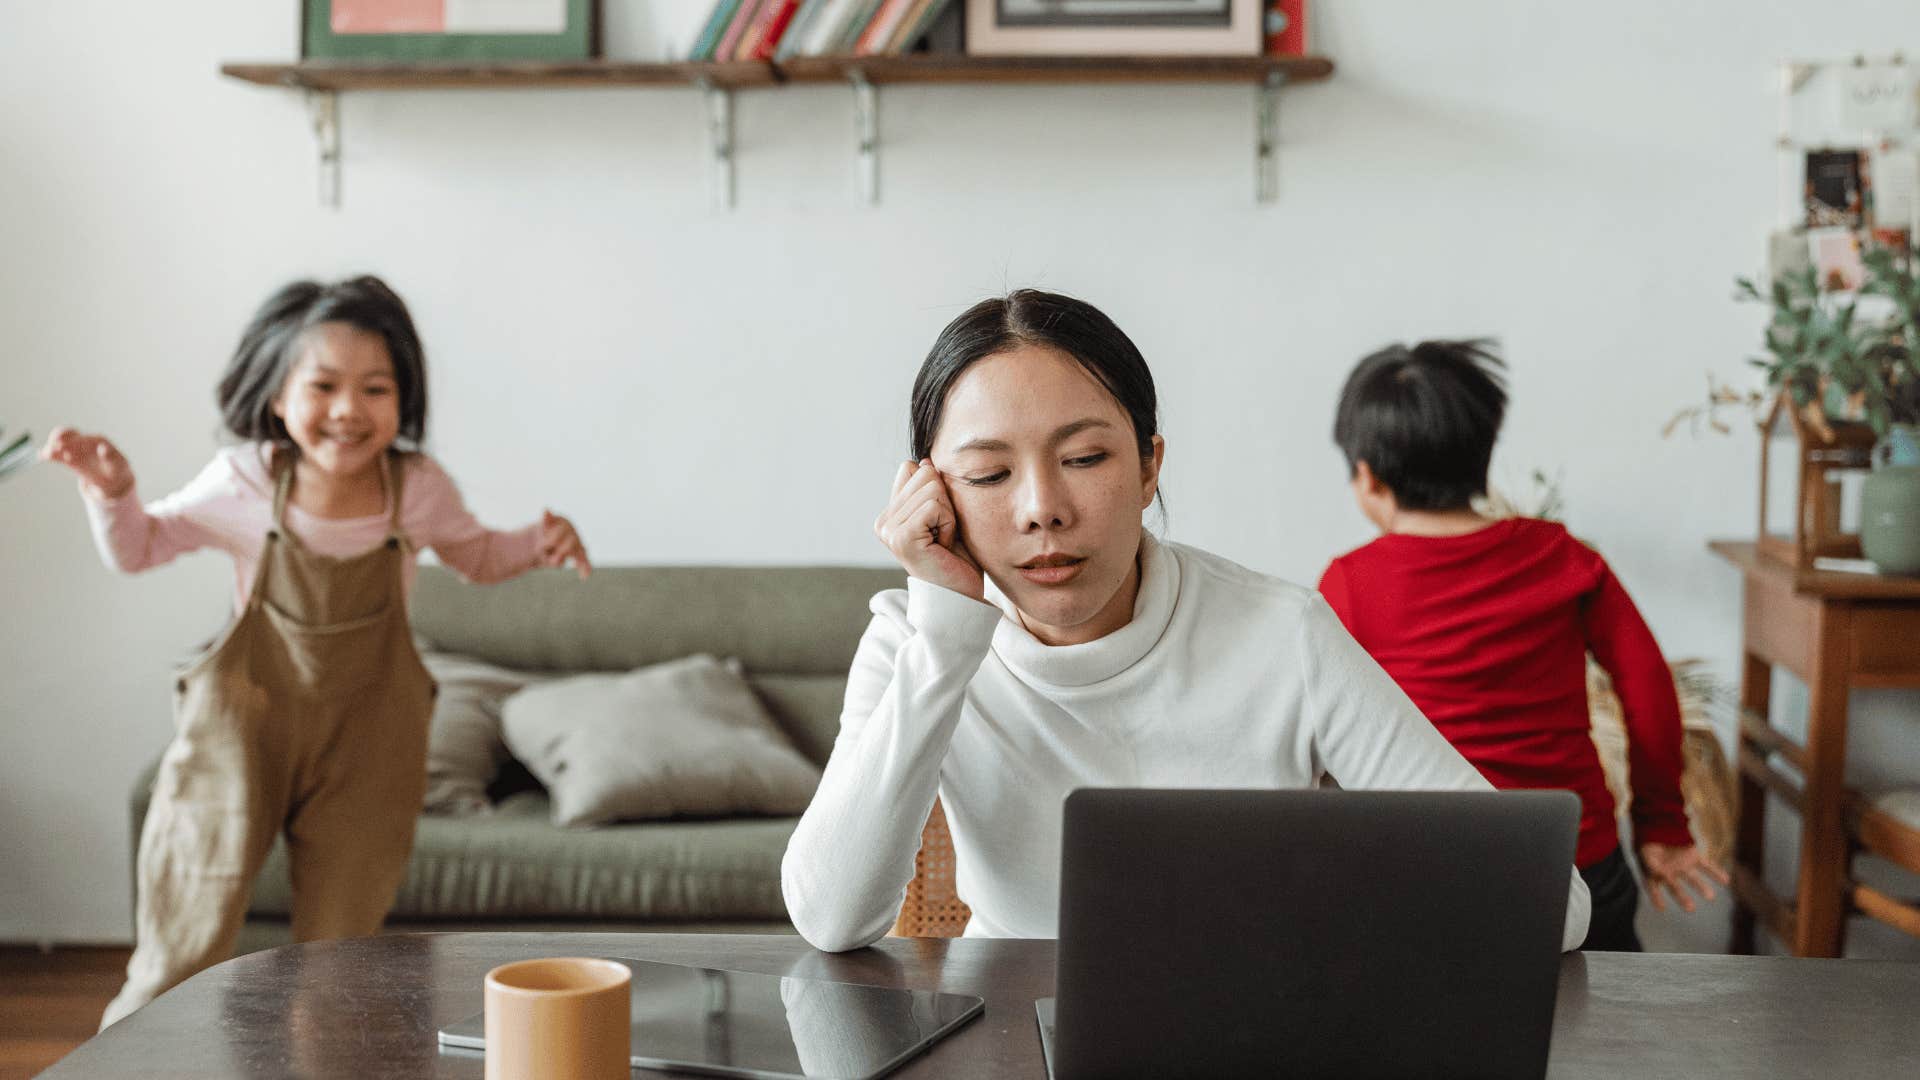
1103,658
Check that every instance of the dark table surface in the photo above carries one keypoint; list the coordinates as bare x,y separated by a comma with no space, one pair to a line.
371,1007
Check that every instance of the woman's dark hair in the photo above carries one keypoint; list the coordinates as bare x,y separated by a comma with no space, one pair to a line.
1032,317
271,343
1424,420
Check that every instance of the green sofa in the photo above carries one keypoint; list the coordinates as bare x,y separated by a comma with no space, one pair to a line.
795,630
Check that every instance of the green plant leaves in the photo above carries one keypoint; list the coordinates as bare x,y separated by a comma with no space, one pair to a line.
1821,350
16,454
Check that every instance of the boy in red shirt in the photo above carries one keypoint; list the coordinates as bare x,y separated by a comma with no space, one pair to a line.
1486,624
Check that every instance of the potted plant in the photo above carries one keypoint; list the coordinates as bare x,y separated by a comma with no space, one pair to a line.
1837,361
1844,369
15,455
1890,394
1893,406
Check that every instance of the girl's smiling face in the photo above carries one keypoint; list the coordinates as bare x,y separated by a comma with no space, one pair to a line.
1046,477
340,402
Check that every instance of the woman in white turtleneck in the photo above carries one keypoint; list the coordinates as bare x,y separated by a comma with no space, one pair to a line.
1045,642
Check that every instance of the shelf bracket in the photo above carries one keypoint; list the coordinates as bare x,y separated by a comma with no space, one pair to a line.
1266,146
719,107
323,110
1798,74
866,125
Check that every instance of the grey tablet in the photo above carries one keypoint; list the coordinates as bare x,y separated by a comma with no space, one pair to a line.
738,1023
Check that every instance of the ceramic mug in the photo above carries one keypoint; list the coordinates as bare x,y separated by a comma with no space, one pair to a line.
563,1018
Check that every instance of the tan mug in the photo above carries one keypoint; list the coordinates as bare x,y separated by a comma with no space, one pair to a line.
559,1019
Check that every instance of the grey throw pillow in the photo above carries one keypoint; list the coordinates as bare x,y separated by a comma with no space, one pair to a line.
685,738
464,746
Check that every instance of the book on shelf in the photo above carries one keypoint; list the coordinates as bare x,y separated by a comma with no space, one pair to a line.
798,30
828,16
863,13
737,29
1285,28
771,21
944,31
779,30
709,39
879,31
832,27
923,17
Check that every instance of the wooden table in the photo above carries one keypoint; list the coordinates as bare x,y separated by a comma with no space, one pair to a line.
370,1007
1836,631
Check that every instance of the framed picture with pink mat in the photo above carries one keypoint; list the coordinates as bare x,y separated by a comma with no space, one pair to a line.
450,30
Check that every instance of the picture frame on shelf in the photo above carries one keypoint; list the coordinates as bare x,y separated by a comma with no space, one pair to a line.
450,30
1113,12
1114,27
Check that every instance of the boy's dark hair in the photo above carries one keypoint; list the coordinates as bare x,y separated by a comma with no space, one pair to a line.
1032,317
1424,420
271,342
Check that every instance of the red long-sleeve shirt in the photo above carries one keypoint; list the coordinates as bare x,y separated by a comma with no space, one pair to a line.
1488,634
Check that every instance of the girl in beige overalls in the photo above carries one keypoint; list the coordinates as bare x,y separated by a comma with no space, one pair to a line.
309,714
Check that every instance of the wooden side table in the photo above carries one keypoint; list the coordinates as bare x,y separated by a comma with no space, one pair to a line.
1836,631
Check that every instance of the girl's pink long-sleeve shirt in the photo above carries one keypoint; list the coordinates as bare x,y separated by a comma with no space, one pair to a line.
229,506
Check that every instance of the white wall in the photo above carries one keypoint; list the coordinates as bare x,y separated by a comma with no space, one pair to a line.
1583,180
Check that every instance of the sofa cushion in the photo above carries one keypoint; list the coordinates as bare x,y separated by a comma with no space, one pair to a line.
807,708
514,864
683,738
465,749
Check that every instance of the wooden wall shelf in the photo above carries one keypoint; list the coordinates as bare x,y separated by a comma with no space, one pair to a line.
880,70
323,80
1056,69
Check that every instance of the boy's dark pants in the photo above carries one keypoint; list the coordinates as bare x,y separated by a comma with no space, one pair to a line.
1616,896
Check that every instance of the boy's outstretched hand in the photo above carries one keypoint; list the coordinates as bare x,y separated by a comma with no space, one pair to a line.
102,468
559,544
1667,868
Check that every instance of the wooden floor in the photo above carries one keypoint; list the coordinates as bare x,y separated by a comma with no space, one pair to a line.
50,1002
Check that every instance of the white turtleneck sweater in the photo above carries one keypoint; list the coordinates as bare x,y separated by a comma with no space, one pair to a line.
1224,678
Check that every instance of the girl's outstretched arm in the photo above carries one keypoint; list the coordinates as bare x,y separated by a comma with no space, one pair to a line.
132,537
440,520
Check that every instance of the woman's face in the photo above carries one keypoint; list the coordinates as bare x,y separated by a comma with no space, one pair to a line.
1049,487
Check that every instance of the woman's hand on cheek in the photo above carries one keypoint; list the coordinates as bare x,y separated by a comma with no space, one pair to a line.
921,529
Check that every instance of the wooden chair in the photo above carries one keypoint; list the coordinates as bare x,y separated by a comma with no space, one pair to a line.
1887,826
932,907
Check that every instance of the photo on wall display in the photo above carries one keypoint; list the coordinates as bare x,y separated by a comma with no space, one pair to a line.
1836,259
1114,27
450,30
1836,189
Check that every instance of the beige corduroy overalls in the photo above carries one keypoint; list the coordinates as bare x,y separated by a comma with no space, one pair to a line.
309,715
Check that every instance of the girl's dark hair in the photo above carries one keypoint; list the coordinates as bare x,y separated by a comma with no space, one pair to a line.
271,342
1032,317
1424,420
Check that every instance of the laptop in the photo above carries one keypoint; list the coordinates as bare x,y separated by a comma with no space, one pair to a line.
1308,933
